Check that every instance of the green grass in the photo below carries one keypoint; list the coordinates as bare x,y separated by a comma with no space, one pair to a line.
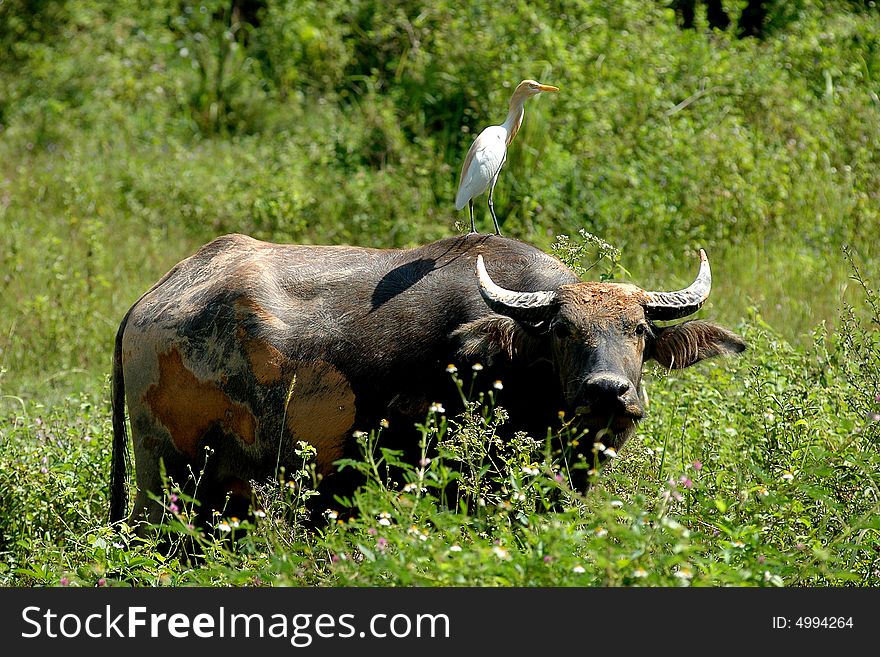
757,471
125,144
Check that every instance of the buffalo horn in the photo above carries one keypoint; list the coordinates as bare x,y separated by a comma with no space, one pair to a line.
674,305
530,307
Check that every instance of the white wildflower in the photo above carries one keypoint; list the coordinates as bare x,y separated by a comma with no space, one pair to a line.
684,573
500,552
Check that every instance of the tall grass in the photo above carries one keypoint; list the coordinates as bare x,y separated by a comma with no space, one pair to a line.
128,139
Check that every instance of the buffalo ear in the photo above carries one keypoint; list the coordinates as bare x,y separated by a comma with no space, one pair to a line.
487,337
682,345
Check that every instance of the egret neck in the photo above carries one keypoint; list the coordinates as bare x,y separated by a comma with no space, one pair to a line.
514,117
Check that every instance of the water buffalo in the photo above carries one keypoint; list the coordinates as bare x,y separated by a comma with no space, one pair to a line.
247,347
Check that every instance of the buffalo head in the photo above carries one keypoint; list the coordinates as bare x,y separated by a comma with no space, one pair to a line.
598,336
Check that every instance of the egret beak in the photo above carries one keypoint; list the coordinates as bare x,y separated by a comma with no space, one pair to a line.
547,87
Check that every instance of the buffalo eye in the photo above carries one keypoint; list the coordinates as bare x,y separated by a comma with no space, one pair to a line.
561,330
641,329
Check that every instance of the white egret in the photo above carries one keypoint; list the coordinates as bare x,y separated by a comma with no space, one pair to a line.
488,153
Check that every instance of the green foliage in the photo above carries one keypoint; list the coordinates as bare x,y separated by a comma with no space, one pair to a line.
131,133
589,247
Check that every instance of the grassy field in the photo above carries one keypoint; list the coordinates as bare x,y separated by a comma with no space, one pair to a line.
131,134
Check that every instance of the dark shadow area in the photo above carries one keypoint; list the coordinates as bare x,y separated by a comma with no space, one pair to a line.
401,279
751,21
404,276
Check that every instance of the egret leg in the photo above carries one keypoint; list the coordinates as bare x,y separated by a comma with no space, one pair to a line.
492,206
471,210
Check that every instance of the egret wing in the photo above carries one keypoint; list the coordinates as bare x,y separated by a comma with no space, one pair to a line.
481,165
